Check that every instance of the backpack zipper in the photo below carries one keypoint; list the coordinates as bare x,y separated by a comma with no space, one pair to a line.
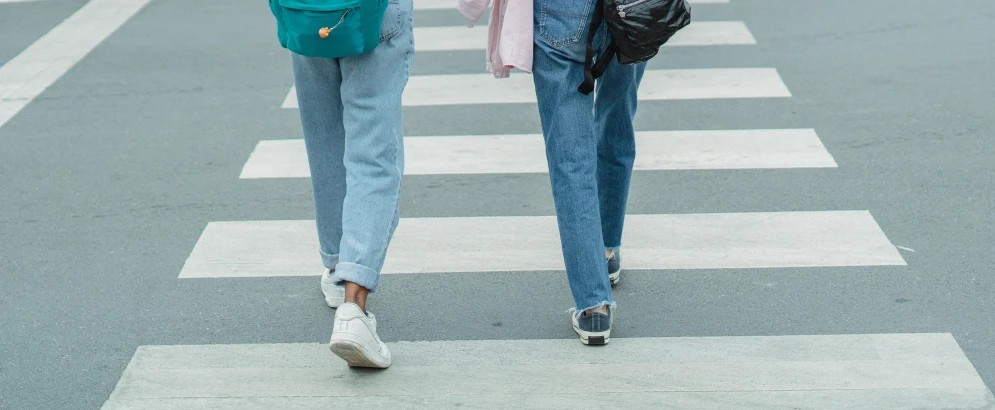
622,7
325,31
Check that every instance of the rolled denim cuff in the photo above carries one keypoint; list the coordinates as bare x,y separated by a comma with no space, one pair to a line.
330,261
358,274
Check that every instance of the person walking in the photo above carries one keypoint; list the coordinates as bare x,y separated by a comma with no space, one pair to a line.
590,149
350,110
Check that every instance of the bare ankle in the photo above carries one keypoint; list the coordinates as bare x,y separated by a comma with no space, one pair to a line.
601,309
357,294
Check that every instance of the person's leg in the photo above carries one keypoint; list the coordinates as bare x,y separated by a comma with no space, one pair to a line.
317,81
615,108
372,84
571,146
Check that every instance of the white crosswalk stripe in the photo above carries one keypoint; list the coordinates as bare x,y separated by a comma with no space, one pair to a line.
496,244
451,4
435,4
923,371
699,33
861,371
500,154
693,84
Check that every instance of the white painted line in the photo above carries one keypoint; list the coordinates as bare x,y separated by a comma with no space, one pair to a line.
905,249
509,154
706,83
713,33
290,102
700,33
919,399
826,371
450,38
451,4
40,65
435,4
496,244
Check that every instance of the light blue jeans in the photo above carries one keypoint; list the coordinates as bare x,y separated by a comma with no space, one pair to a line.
351,114
590,143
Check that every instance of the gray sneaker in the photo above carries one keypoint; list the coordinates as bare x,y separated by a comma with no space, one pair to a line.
615,267
594,329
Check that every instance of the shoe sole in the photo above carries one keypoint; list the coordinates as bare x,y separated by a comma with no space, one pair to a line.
354,354
614,278
593,339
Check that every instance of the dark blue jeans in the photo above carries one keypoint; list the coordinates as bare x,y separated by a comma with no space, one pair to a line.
590,143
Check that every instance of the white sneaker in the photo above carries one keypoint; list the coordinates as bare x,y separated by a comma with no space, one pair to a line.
355,340
334,295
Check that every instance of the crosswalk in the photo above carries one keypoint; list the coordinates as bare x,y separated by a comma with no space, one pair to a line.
495,244
900,371
512,154
451,4
871,371
694,84
706,33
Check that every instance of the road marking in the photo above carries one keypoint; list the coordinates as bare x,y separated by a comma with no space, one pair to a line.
496,244
701,33
703,83
825,371
435,4
509,154
451,4
39,66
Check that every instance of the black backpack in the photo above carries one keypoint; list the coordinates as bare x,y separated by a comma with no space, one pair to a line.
638,28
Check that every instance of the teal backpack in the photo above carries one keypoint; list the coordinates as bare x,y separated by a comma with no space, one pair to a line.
328,28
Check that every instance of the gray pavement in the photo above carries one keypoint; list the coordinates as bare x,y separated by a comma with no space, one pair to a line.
108,178
23,23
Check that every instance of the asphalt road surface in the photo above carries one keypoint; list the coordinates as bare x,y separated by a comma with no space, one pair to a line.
811,224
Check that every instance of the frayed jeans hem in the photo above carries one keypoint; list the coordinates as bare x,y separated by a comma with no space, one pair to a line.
610,304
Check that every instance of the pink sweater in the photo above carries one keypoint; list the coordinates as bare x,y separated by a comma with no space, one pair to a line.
509,35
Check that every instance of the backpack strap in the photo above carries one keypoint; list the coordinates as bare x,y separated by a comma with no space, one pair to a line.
603,60
589,74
